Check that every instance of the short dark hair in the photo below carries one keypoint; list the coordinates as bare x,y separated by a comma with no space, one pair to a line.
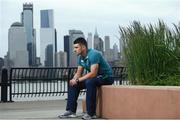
81,41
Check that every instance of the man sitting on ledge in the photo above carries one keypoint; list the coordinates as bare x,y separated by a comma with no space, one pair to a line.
99,73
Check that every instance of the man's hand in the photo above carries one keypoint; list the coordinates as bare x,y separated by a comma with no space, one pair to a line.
73,82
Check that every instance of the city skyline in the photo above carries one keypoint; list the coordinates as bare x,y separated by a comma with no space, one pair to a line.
84,15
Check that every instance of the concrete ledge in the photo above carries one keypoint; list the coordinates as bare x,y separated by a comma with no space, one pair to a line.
139,102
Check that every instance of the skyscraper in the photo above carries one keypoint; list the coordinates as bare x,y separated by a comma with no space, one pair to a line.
27,21
115,51
98,42
49,55
89,40
47,18
48,38
61,59
107,43
73,34
101,45
17,41
66,47
1,63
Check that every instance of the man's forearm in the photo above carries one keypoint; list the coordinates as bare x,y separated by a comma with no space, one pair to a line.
87,76
76,76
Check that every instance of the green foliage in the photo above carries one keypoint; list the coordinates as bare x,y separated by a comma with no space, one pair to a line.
170,81
152,53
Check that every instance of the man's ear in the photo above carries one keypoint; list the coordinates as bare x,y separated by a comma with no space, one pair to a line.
84,47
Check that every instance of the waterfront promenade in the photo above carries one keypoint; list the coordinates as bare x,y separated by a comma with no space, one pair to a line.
35,110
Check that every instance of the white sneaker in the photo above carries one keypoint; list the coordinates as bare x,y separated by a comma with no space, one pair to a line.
68,114
88,117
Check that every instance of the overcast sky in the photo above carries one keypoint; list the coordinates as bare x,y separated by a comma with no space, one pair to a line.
86,15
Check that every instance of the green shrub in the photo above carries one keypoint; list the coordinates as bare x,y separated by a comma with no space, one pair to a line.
169,81
152,53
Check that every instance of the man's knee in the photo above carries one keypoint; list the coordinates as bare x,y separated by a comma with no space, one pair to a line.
75,87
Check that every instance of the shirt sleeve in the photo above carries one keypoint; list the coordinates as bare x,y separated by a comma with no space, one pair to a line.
95,58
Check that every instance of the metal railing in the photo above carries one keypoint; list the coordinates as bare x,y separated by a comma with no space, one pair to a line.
40,81
32,82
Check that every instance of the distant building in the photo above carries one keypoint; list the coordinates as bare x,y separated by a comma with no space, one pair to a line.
27,21
66,47
49,55
7,62
48,39
115,52
101,46
98,42
108,54
73,34
1,63
89,40
61,59
107,43
17,45
38,61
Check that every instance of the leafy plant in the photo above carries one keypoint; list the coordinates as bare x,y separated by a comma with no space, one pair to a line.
152,53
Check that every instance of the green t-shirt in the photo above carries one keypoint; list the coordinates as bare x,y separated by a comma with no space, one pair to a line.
95,57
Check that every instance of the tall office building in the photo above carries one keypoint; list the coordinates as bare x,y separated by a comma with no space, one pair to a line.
48,55
27,21
61,59
101,45
89,40
48,38
55,41
73,34
47,18
1,63
108,54
17,41
115,51
107,43
98,42
66,47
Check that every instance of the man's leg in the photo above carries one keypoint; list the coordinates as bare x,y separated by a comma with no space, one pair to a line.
91,86
73,93
91,96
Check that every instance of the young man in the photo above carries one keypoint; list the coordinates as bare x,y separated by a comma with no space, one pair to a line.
99,73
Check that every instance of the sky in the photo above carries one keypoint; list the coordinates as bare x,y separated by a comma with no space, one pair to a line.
87,15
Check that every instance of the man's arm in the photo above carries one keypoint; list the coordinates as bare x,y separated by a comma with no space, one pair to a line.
76,76
79,72
93,73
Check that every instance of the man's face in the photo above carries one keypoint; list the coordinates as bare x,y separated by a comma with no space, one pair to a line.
77,49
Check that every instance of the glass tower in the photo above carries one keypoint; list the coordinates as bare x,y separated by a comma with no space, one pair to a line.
48,38
66,47
27,21
47,19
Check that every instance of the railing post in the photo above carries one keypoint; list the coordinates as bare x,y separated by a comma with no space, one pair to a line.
4,87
